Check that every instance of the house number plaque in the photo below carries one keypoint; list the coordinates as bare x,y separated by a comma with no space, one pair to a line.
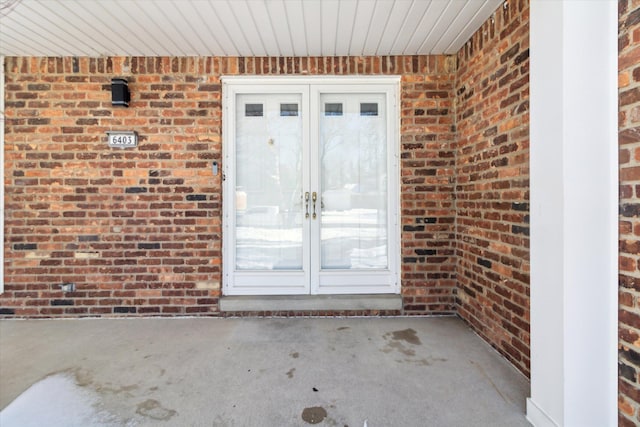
123,139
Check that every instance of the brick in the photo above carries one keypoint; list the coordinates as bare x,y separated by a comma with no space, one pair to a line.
629,135
208,285
134,190
154,245
632,20
86,255
631,96
25,246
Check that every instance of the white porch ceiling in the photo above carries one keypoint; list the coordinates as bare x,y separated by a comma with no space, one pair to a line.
238,27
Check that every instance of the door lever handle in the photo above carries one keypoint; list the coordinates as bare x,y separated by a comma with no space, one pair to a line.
306,202
314,196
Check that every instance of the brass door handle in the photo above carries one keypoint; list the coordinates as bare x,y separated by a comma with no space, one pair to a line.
306,203
314,196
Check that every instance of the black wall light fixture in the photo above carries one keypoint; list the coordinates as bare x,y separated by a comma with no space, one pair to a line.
120,92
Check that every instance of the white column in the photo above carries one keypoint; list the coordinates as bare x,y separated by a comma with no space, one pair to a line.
573,213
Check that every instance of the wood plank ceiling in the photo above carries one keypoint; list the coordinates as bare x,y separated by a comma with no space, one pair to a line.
238,27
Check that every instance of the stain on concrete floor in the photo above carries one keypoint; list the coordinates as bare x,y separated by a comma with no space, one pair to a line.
398,340
151,408
290,372
409,335
314,414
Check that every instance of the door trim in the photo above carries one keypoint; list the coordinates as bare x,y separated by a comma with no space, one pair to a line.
275,84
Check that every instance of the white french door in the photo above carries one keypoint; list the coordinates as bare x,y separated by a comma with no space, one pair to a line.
310,186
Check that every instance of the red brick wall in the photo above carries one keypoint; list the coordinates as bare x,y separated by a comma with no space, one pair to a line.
139,230
492,187
629,142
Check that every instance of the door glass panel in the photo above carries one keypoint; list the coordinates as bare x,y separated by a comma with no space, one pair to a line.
333,109
368,109
353,180
288,109
268,182
253,110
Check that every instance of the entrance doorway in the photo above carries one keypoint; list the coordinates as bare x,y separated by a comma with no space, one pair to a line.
310,186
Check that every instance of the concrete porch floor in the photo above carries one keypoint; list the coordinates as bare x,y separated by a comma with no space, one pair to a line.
255,372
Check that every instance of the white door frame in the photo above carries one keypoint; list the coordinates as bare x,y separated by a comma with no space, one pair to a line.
366,283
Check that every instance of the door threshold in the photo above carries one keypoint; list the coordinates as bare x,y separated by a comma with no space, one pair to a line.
310,302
